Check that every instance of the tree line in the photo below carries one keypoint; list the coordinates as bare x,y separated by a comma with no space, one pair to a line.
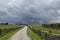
4,23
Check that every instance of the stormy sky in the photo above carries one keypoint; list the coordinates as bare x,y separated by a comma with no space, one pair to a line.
29,11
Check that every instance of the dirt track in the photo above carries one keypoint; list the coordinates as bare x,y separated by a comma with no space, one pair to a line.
20,35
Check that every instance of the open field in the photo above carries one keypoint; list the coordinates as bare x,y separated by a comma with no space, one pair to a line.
48,29
9,26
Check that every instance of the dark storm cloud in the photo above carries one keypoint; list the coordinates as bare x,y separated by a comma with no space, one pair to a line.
29,11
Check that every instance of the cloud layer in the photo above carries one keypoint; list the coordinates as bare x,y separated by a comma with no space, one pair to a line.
29,11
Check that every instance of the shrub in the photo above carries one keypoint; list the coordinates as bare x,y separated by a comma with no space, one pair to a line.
6,23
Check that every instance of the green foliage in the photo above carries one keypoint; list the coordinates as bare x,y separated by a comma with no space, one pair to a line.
9,26
5,37
33,35
52,28
55,25
50,31
4,23
5,29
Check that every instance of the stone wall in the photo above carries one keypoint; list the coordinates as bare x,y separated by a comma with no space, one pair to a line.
46,35
6,30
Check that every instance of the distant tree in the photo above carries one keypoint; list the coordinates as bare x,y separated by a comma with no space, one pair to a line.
6,23
45,25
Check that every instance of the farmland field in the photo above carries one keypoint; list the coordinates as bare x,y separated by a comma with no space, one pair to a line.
9,26
51,29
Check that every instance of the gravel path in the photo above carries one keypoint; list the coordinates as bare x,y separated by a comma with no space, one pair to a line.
20,35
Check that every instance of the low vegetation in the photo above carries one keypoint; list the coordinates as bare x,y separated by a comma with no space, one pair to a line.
5,37
33,35
9,26
55,25
6,30
52,28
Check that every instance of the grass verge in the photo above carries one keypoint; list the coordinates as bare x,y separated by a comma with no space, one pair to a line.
33,35
41,28
5,37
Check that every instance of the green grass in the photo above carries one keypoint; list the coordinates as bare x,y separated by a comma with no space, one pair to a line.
33,35
5,37
8,26
40,27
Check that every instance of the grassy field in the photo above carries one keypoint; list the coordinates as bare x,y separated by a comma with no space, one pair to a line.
33,35
40,27
8,30
9,26
5,37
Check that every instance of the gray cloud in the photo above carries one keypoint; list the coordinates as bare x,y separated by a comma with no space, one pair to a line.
29,11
